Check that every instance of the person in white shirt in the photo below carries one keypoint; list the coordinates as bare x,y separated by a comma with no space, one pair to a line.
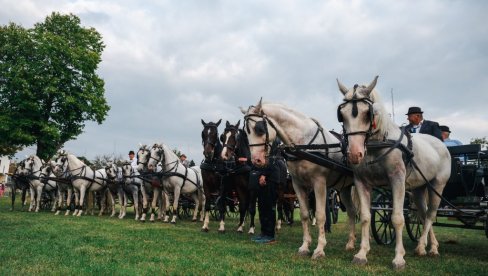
132,159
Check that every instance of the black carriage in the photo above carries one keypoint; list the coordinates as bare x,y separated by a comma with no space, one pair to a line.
464,202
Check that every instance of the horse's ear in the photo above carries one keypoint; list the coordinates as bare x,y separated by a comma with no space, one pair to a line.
203,122
238,123
227,124
259,106
218,123
371,85
243,110
342,88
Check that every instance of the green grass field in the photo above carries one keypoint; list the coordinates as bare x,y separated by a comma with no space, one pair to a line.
46,244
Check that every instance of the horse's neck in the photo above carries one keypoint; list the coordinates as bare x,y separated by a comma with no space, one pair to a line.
295,128
169,158
76,166
242,147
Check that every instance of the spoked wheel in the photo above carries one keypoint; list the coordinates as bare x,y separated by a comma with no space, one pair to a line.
413,222
381,226
334,205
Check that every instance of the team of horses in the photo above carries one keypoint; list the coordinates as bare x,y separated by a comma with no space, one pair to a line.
377,151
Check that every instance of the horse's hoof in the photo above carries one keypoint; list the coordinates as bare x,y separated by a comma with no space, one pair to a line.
349,248
318,255
434,254
359,261
221,231
194,220
204,230
399,266
420,253
303,252
173,222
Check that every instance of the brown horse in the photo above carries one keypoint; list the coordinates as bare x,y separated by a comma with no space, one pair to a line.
236,157
210,167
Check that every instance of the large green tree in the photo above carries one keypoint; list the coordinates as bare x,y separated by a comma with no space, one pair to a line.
49,86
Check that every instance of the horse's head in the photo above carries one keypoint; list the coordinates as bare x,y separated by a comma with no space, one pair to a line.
143,155
61,163
111,170
31,165
47,168
261,132
357,115
210,139
156,156
229,140
127,169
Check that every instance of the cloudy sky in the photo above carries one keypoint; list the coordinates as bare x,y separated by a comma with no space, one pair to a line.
169,64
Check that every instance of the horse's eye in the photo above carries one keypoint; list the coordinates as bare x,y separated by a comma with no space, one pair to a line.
260,128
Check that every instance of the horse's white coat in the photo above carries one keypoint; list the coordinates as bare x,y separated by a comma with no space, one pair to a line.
295,128
430,154
176,184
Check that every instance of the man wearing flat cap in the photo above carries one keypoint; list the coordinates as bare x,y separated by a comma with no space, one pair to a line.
446,132
419,125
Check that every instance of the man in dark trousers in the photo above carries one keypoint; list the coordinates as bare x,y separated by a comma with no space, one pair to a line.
268,179
417,124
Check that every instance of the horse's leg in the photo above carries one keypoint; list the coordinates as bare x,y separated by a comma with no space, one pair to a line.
364,194
397,218
144,202
252,210
279,206
206,209
39,189
60,201
203,200
52,194
304,216
222,203
320,197
68,200
24,198
82,200
176,198
243,195
135,198
347,200
433,205
14,190
196,198
419,197
122,202
32,196
154,203
166,206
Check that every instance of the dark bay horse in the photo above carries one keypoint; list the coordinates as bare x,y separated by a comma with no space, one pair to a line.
19,182
236,157
211,166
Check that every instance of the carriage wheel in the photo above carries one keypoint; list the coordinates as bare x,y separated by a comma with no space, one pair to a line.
414,225
468,221
413,222
381,226
334,205
46,202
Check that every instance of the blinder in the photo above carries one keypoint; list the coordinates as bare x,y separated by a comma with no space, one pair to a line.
340,118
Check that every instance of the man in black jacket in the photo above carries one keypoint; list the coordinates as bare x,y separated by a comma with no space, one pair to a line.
268,179
419,125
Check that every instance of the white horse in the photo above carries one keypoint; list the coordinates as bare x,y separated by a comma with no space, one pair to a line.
263,123
33,169
177,179
366,125
149,184
114,185
131,186
65,189
83,179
